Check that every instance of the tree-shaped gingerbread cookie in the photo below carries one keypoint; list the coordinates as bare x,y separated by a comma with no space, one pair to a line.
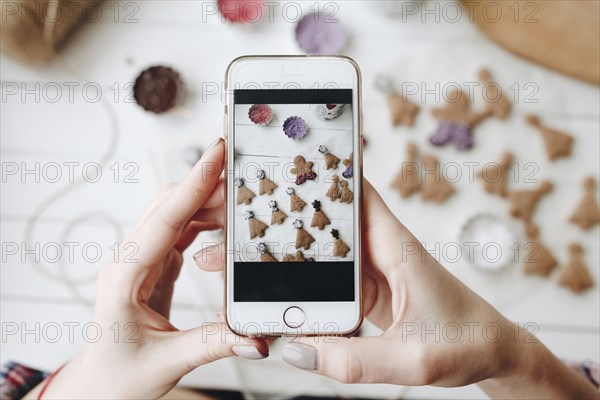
340,249
539,260
587,213
303,238
456,122
497,104
435,187
244,195
402,110
575,274
303,170
524,202
495,176
319,218
277,216
408,180
558,144
265,185
296,203
265,256
257,228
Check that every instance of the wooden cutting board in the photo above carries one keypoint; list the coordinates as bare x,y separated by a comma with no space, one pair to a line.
562,35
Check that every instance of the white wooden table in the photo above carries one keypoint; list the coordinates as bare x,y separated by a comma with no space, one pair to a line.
138,152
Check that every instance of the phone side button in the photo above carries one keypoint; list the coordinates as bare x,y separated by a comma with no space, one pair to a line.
294,317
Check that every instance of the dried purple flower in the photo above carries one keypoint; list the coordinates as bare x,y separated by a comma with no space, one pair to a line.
295,128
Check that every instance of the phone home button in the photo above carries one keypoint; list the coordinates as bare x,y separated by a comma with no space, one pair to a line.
294,317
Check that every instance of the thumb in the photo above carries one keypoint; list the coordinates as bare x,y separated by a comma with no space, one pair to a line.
211,342
348,360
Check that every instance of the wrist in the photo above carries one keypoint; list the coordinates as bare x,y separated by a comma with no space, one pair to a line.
519,354
70,381
529,370
54,386
523,355
47,383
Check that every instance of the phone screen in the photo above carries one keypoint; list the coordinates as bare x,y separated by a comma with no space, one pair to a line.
294,216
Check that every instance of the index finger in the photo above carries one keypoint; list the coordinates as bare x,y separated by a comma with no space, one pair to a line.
160,231
384,232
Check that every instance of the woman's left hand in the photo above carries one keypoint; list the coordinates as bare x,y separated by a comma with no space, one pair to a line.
140,354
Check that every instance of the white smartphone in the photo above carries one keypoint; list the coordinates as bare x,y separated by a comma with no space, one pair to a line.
293,184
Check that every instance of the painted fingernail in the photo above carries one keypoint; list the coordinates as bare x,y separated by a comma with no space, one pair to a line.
247,352
201,255
300,355
213,145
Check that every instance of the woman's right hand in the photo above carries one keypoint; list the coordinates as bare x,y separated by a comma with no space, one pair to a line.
436,331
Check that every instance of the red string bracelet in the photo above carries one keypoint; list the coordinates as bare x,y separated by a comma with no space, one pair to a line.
50,378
